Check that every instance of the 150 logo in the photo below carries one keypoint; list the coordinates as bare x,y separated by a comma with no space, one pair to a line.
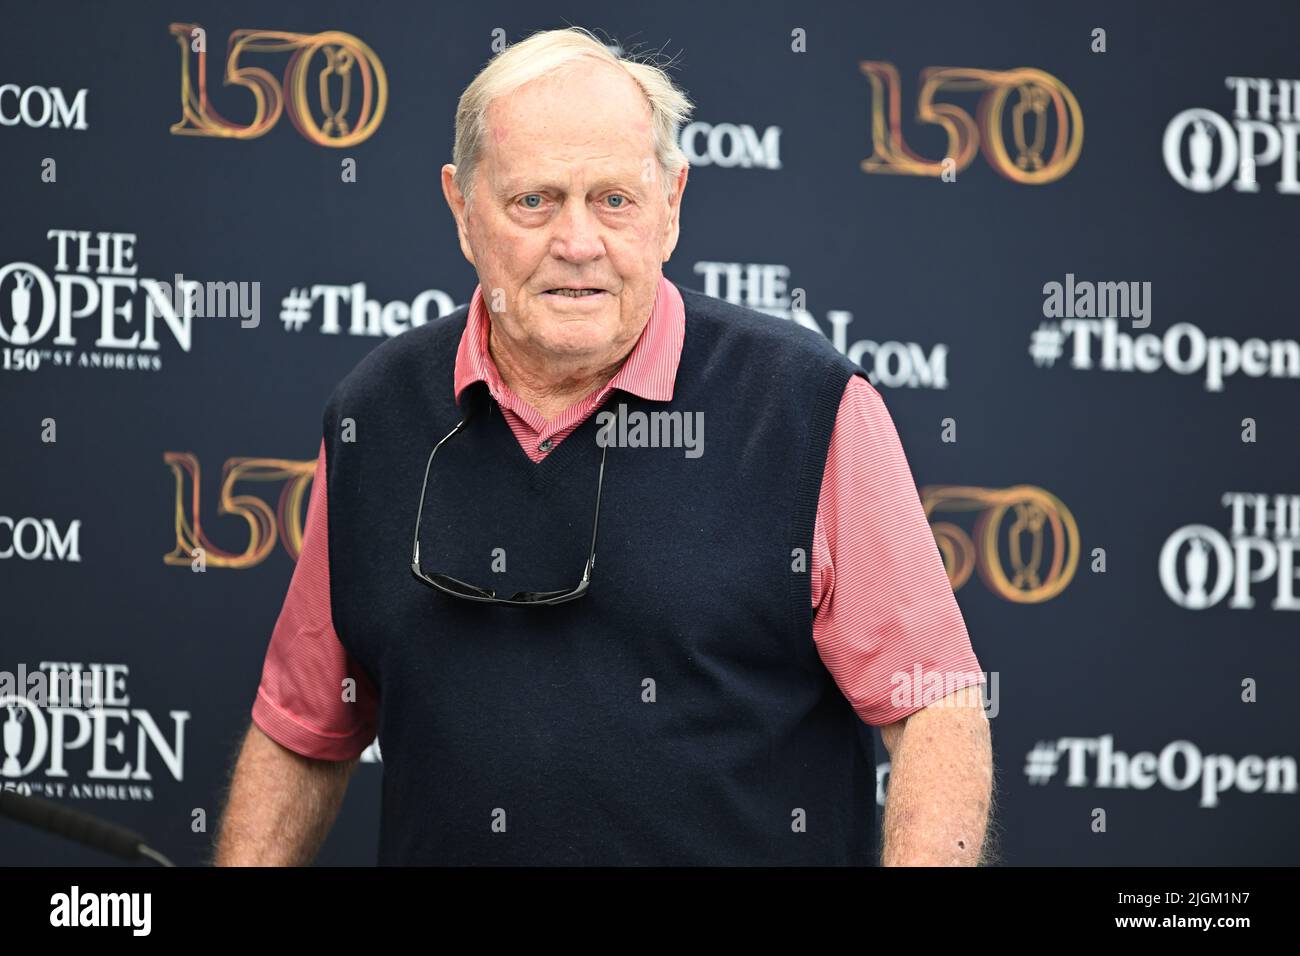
1040,99
265,526
350,72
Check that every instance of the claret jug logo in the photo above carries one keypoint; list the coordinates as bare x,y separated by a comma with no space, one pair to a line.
350,85
1025,544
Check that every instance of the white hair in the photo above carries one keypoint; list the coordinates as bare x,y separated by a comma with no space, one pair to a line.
549,53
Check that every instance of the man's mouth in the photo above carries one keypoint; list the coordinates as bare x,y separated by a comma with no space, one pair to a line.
574,293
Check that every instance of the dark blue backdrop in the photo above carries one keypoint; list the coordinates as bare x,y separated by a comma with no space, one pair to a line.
1165,701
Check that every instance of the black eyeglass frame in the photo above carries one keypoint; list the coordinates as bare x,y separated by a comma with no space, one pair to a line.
470,592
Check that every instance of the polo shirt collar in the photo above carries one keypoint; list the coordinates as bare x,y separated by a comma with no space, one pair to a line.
649,370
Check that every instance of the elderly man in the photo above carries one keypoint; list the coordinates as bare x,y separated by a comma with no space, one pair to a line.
578,646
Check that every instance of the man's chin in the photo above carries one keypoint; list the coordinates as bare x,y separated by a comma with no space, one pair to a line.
568,345
573,330
573,339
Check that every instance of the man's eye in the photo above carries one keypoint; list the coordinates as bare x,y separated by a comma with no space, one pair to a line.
622,201
528,201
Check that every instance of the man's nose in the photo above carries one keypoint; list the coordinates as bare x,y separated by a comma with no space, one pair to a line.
577,234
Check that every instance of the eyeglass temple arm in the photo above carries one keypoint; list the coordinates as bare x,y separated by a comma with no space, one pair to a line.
595,521
424,486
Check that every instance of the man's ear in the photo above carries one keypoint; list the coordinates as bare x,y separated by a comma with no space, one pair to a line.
674,212
456,202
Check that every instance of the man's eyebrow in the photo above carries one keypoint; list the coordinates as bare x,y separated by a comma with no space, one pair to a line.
524,184
630,181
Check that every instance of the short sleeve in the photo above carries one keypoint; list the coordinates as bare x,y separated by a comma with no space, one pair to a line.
300,702
886,622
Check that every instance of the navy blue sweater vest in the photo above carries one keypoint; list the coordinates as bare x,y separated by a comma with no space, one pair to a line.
678,713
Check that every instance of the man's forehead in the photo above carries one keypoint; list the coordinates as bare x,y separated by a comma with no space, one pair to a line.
619,156
585,102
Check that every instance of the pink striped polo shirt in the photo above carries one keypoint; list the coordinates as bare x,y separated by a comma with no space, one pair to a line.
883,605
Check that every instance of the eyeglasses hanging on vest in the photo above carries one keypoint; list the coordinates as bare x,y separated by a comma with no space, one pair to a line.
472,592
